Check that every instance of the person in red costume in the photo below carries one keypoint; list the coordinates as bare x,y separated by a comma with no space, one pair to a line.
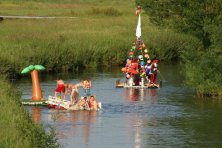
133,69
154,71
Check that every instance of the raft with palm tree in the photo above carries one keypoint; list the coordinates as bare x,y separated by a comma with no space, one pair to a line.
53,102
37,97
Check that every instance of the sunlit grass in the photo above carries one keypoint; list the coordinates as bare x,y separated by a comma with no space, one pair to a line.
101,34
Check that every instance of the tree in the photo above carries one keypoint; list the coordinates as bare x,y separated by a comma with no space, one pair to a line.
196,17
202,19
36,89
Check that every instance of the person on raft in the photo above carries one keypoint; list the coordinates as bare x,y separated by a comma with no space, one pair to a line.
82,103
60,88
88,103
73,89
154,71
87,84
148,70
93,105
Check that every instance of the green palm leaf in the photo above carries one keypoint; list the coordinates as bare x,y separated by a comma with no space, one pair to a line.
39,67
25,70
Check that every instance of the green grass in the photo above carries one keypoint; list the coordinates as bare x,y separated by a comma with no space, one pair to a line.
101,35
17,128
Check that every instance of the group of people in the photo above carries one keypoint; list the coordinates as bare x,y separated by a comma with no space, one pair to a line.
137,70
88,101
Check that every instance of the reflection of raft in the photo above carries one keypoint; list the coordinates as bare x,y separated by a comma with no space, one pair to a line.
125,85
57,103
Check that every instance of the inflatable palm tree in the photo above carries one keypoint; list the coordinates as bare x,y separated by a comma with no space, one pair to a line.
36,89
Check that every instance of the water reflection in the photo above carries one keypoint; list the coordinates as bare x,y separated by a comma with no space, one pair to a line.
132,94
74,124
36,114
136,124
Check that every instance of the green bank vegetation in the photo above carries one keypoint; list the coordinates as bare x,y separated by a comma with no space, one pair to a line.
101,34
17,128
201,20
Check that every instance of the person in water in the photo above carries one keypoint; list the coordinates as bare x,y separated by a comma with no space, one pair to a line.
87,84
60,89
93,105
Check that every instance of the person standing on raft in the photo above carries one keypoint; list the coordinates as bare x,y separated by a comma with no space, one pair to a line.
73,89
154,71
87,84
61,88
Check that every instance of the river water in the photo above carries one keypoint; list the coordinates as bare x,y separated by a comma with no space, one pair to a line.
131,118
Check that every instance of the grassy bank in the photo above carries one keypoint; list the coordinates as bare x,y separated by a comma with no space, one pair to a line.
17,129
101,35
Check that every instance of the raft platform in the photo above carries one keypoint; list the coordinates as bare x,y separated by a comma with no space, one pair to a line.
34,103
56,103
146,86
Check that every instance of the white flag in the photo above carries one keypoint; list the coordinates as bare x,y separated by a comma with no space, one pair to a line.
138,28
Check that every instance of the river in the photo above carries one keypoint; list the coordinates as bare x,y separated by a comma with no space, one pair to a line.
131,118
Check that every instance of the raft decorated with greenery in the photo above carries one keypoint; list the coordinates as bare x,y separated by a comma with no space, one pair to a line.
140,70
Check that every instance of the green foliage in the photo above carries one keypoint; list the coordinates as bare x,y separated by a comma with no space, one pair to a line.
198,18
201,19
17,129
204,71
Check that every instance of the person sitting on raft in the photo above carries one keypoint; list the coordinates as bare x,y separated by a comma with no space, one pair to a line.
93,105
61,88
86,84
82,103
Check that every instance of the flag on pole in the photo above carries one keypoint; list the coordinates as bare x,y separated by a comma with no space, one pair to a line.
138,28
